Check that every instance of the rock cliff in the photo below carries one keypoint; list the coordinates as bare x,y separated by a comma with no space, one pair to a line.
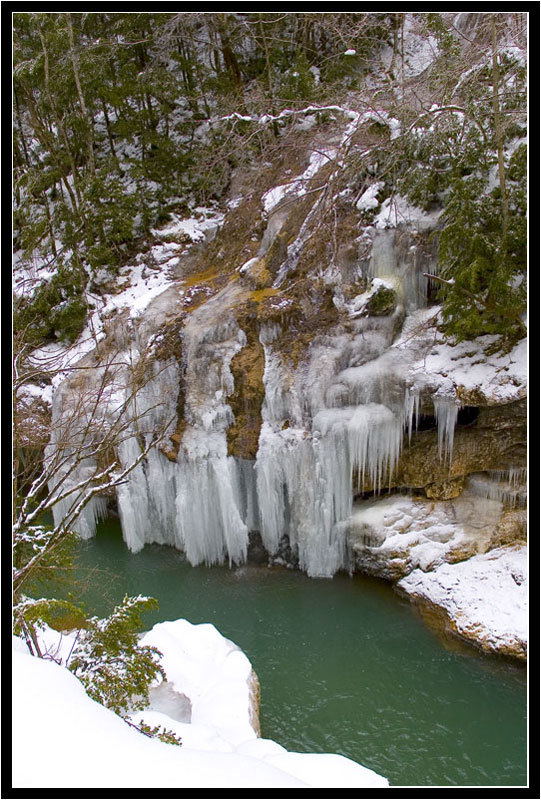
310,400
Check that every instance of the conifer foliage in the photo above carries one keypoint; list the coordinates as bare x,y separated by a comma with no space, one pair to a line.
468,156
113,668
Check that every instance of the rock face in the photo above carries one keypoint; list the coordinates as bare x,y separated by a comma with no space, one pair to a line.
299,372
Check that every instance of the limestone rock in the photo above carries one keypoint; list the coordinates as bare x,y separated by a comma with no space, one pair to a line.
254,688
445,490
389,537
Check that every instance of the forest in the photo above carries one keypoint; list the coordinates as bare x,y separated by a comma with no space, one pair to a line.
121,119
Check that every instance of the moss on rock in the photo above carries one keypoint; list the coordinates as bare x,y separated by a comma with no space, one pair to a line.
382,303
247,368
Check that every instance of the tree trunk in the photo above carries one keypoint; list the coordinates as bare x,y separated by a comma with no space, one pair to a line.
59,125
110,136
82,103
498,131
269,74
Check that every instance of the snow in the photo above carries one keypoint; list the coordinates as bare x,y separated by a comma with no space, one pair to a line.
30,391
139,286
54,716
357,305
246,267
142,289
212,671
419,50
75,742
500,377
369,198
486,596
400,534
57,359
193,228
397,210
297,187
29,274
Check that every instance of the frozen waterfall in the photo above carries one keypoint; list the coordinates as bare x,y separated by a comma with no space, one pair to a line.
330,426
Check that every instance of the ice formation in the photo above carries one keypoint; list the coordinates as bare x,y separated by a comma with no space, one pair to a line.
507,486
339,419
329,425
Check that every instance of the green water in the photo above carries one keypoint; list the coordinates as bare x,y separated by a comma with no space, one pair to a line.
345,665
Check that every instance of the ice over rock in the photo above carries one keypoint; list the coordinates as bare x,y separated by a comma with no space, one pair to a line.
342,416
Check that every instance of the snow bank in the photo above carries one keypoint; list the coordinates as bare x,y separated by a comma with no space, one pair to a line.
72,741
212,672
485,597
501,378
55,717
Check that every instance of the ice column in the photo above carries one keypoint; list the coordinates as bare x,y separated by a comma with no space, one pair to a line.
404,271
446,412
146,500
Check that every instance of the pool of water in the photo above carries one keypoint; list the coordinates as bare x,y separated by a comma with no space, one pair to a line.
345,665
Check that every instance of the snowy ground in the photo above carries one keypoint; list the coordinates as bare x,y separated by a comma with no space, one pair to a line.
73,741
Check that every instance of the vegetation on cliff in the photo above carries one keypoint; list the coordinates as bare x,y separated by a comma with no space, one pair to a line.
121,119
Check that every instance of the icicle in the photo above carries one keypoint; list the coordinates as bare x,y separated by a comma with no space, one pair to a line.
146,500
201,502
209,527
243,483
94,511
505,486
412,403
446,412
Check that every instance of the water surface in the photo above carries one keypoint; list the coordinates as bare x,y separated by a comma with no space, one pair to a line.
345,665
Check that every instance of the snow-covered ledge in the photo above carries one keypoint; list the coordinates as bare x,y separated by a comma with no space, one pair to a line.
72,741
485,599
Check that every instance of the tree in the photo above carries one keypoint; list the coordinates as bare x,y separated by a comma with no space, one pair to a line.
459,147
105,656
482,244
95,411
70,478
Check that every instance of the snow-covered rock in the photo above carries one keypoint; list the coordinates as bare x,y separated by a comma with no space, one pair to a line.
213,673
484,598
391,536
